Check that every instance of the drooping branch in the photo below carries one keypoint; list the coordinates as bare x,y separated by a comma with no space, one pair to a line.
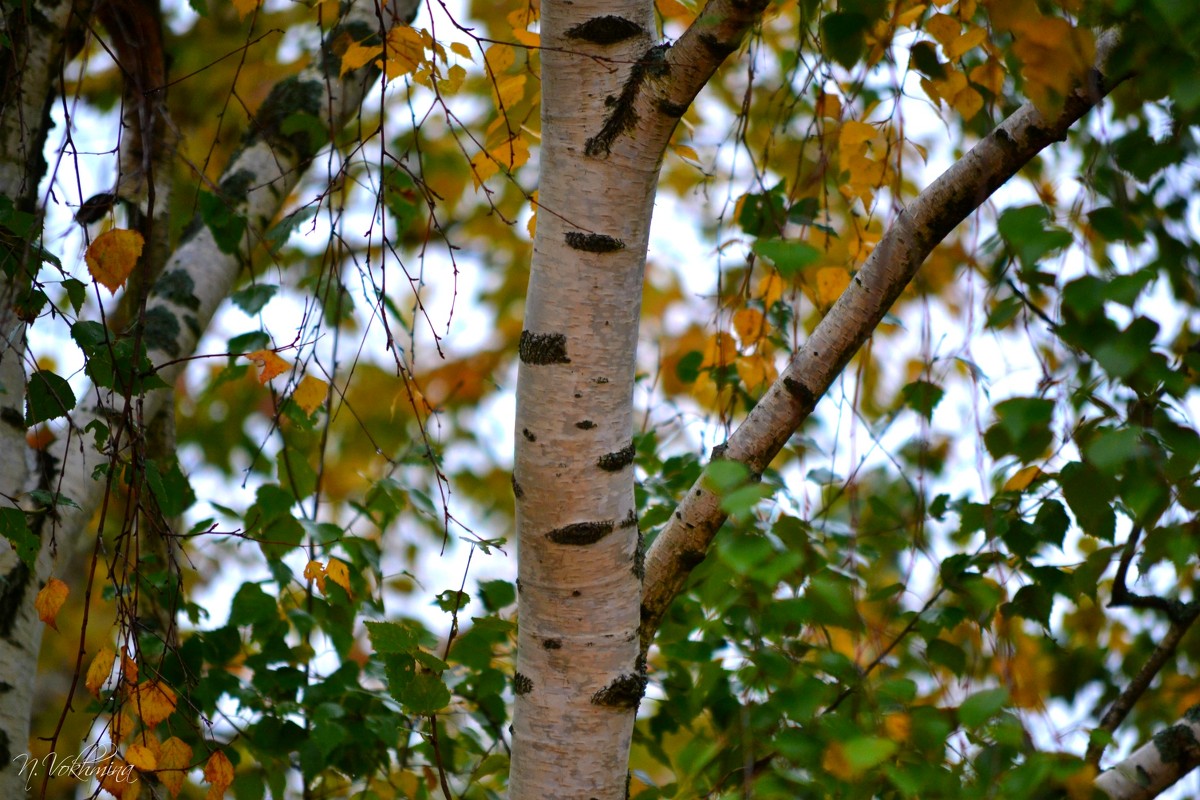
949,200
197,278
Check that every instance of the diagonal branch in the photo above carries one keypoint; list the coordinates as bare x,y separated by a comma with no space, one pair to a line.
943,205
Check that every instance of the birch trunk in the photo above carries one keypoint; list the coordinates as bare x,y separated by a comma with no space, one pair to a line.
610,100
1158,764
35,33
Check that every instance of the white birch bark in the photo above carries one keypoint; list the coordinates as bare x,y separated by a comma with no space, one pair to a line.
610,100
1158,764
35,33
200,276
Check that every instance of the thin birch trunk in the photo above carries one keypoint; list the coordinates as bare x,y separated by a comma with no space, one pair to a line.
257,182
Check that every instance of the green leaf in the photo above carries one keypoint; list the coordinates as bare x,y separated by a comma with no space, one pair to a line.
393,637
1088,494
949,655
843,36
1024,231
868,751
497,594
76,293
251,606
253,298
15,528
48,397
922,397
170,487
425,693
788,257
982,706
227,226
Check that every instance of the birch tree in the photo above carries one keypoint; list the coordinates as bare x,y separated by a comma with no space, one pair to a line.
794,592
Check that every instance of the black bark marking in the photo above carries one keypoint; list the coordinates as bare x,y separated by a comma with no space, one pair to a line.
672,110
630,520
518,492
624,692
1177,745
522,684
543,348
614,462
718,452
13,417
608,29
717,48
802,393
623,117
585,425
639,557
529,436
593,242
581,533
690,559
552,644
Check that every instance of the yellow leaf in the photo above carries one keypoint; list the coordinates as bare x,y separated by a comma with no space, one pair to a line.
405,50
458,48
829,105
527,38
673,9
311,393
118,777
719,351
454,80
357,55
244,7
112,256
49,600
141,757
755,371
218,773
315,571
129,667
1082,783
532,224
897,726
968,41
339,573
155,702
686,153
99,670
770,289
119,727
269,364
1021,479
834,762
509,90
174,759
989,75
499,58
910,16
854,133
750,325
944,28
831,282
968,102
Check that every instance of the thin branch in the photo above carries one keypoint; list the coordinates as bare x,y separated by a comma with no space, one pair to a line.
891,266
